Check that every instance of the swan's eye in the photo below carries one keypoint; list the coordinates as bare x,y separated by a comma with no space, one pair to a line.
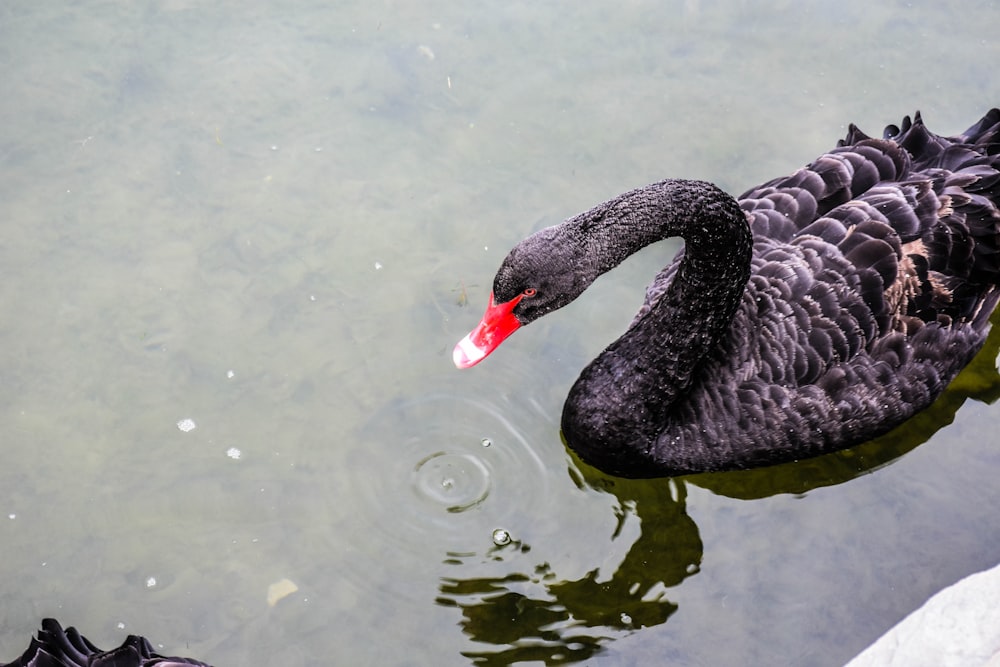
530,292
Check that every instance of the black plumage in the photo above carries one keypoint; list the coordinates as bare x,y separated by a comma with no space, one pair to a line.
55,647
819,311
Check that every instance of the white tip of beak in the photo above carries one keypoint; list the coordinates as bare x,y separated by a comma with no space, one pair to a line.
467,354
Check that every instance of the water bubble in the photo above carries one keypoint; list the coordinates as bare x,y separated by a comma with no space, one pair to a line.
486,442
455,481
501,537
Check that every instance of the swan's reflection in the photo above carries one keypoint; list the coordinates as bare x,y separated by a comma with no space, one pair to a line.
539,616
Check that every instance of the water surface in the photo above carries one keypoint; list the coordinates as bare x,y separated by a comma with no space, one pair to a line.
276,221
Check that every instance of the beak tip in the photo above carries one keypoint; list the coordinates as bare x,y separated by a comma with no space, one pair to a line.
467,354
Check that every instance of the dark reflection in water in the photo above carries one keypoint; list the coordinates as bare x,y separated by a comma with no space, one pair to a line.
539,616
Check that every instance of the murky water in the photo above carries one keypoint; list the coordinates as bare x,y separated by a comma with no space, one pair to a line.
275,221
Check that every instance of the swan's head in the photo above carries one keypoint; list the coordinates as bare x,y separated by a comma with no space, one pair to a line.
541,274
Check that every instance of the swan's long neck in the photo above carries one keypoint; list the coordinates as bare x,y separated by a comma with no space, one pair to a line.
716,262
653,364
714,229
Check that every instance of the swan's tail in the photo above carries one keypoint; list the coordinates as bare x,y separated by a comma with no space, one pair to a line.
985,135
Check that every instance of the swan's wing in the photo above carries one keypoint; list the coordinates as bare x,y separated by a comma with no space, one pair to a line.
916,214
781,208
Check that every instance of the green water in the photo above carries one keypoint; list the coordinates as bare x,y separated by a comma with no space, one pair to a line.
276,221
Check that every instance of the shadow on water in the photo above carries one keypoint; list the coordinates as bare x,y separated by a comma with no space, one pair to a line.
539,616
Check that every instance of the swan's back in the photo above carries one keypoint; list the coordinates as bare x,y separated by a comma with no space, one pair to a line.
874,274
915,215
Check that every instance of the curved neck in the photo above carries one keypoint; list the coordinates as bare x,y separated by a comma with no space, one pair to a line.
718,243
654,362
699,303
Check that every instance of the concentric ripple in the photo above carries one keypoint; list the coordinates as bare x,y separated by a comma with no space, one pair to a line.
451,469
457,482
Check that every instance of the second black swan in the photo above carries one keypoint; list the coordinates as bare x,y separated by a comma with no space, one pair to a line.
818,311
56,647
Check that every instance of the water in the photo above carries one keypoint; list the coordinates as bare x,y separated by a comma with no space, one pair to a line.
276,222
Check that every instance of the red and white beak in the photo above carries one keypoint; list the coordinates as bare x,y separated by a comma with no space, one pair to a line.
498,322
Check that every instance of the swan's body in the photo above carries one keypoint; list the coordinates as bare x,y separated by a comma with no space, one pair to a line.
818,312
55,647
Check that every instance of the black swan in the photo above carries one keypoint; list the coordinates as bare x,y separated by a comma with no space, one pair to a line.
55,647
819,311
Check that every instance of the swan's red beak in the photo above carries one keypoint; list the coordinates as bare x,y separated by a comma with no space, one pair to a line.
498,322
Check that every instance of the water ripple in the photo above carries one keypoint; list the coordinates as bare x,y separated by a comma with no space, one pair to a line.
457,482
444,474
